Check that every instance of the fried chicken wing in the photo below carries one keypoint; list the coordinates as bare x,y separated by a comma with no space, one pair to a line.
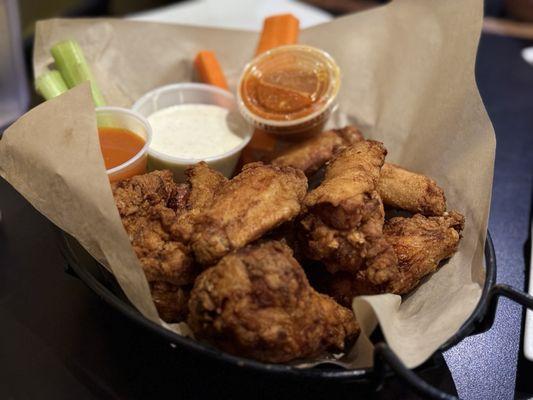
406,190
203,183
398,187
256,302
344,220
158,215
148,205
311,154
257,200
420,244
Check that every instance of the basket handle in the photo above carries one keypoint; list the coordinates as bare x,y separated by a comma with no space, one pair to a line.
385,358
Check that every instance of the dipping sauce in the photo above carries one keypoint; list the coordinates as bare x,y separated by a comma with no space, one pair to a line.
195,131
118,145
285,94
290,89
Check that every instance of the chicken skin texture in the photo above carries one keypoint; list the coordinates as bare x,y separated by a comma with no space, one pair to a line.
204,183
420,244
343,223
257,303
311,154
397,187
148,205
158,215
406,190
251,204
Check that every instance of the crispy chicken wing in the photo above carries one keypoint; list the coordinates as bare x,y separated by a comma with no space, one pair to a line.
344,220
398,187
257,200
256,302
420,244
203,183
157,214
148,205
311,154
406,190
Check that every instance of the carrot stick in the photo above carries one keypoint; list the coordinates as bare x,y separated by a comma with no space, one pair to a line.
278,30
209,70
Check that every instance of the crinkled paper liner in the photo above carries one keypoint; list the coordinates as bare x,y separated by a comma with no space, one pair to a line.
407,80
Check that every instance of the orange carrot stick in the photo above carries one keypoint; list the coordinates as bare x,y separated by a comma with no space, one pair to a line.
209,70
278,30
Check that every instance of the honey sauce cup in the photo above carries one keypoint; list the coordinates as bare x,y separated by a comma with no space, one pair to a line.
125,121
194,94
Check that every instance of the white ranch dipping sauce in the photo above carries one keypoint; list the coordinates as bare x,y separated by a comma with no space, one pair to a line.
194,131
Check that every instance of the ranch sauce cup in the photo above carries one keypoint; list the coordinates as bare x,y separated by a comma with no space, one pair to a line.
193,122
289,91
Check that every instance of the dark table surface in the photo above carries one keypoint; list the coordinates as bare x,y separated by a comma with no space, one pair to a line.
60,341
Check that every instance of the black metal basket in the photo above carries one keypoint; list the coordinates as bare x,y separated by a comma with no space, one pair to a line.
101,281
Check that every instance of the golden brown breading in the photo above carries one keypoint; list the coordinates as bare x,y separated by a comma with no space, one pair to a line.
398,187
257,200
420,244
138,194
256,302
344,220
157,214
148,205
203,183
311,154
406,190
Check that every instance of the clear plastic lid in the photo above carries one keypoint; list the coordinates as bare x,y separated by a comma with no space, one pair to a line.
288,86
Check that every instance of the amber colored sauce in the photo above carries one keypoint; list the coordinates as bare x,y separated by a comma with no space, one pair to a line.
285,94
118,145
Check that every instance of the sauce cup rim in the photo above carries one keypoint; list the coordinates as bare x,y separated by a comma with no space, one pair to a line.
246,136
256,119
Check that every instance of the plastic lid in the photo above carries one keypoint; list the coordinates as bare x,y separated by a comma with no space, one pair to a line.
288,85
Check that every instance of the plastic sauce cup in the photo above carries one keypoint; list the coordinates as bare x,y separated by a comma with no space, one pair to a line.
289,91
192,93
117,117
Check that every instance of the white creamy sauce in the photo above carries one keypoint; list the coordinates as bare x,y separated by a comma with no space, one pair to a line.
195,130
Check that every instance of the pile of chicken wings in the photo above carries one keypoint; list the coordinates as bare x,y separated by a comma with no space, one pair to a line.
262,267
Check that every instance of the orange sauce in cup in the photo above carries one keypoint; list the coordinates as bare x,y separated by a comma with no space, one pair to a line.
284,94
289,91
119,145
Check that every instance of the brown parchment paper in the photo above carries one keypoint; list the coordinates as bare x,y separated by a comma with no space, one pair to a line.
408,80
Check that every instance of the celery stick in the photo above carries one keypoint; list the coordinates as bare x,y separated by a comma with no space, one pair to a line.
50,84
70,61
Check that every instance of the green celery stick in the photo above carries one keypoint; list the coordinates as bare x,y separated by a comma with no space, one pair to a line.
50,84
71,62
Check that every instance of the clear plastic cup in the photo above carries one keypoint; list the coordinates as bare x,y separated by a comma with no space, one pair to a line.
123,118
193,93
289,91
